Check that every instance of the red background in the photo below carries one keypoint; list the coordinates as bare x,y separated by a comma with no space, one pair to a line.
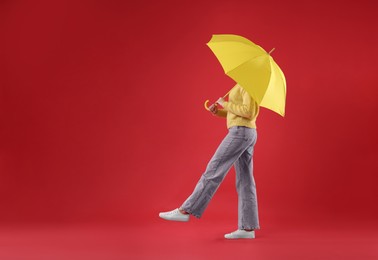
102,118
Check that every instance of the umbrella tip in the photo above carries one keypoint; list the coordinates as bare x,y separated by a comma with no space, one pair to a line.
271,50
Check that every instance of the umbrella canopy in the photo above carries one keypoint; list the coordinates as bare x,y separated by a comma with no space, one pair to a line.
252,68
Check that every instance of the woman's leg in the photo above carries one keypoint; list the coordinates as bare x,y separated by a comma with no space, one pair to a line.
245,184
232,146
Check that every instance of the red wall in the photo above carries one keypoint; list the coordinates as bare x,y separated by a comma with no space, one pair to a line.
102,118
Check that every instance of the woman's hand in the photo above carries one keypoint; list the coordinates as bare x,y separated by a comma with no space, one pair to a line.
213,108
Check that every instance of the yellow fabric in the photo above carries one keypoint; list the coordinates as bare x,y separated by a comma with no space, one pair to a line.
240,109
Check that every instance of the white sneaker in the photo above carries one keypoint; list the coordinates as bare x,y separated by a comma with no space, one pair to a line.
240,234
174,215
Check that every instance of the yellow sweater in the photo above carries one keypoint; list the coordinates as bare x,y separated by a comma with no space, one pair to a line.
240,109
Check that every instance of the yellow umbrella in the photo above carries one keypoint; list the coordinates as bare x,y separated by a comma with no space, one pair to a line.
252,68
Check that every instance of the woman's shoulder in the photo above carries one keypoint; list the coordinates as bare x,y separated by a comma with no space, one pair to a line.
242,91
239,88
238,91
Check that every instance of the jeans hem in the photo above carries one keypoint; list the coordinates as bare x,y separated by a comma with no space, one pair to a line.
246,227
191,213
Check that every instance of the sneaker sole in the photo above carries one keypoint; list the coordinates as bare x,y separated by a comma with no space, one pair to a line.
180,220
239,237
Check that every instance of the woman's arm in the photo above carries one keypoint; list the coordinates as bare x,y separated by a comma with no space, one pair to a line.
221,113
217,111
243,110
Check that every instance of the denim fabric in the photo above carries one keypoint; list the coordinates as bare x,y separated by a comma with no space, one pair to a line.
235,149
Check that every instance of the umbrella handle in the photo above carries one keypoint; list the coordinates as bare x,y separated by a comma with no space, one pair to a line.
207,101
206,107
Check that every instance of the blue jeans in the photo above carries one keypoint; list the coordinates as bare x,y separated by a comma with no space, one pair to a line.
235,149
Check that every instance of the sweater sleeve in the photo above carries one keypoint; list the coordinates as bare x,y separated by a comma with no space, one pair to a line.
243,110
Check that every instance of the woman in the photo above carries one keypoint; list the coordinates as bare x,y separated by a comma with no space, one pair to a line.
236,149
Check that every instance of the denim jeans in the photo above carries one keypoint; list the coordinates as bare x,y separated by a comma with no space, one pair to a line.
235,149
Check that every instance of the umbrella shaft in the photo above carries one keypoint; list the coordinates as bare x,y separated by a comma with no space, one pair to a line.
227,93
